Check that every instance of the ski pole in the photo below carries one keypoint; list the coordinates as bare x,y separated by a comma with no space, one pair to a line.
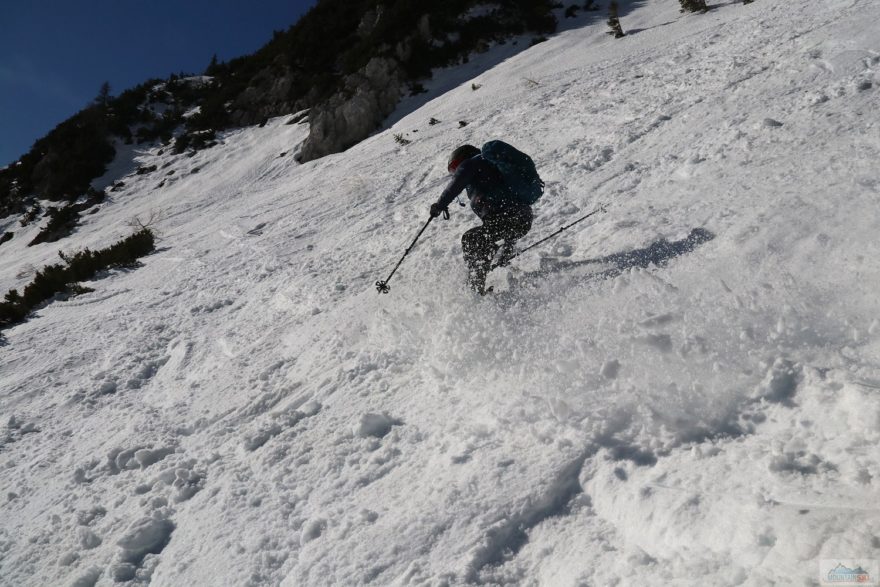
601,208
382,286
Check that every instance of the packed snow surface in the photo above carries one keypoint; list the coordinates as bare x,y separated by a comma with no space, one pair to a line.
683,390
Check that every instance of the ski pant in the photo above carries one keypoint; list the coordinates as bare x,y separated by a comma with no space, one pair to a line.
480,244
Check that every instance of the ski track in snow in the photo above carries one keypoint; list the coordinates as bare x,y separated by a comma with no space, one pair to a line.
246,410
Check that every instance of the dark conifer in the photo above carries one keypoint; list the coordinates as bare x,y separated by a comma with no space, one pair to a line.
213,67
103,97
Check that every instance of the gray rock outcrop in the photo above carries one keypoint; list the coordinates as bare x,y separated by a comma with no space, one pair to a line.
349,116
268,95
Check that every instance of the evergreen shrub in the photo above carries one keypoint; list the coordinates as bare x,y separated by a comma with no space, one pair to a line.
63,278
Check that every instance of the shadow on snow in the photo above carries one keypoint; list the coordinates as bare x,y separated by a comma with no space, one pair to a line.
658,253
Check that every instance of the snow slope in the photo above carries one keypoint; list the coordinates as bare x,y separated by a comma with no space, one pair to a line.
683,391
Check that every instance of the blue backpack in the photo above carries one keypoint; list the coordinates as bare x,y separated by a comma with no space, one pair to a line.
517,169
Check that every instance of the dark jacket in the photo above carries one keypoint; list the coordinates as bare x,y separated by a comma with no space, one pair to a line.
486,189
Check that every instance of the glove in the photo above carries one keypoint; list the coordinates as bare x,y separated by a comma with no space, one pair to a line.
437,210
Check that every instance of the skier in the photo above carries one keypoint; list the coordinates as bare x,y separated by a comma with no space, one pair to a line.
505,215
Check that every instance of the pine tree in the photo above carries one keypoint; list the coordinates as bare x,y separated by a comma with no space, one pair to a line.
103,97
614,21
213,66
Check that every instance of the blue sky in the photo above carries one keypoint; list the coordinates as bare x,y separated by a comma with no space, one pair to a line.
55,54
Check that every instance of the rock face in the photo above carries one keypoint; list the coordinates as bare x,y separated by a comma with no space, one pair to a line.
349,116
268,95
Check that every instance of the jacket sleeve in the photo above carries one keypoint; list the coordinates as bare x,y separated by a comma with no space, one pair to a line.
463,176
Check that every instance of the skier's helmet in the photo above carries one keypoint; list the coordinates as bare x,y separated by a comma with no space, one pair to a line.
460,154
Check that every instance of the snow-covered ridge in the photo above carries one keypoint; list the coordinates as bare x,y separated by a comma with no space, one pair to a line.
684,391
